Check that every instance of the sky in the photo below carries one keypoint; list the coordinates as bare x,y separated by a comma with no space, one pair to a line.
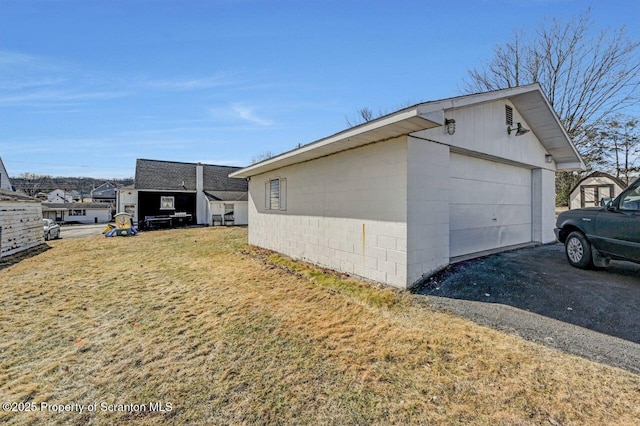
89,86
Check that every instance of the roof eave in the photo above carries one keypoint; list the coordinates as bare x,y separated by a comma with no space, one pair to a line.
390,126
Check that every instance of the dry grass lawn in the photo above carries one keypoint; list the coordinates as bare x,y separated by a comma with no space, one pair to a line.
226,334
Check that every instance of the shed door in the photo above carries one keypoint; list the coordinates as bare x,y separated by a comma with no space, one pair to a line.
490,205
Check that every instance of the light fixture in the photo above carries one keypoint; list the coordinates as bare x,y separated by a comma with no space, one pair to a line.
548,158
519,130
450,126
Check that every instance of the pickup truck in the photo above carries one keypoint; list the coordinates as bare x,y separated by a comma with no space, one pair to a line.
594,236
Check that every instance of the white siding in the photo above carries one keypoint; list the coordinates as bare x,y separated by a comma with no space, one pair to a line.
125,198
21,224
428,208
490,205
346,212
543,205
240,211
482,129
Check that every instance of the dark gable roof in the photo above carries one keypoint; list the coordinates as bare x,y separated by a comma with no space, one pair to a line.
172,175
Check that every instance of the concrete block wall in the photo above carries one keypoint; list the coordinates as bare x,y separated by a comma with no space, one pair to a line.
428,208
346,212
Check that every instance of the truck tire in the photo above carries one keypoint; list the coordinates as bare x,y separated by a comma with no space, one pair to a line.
578,250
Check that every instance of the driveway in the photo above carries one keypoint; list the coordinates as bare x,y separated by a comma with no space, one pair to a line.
536,294
81,231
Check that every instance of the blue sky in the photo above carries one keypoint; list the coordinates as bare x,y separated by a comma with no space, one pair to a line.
88,86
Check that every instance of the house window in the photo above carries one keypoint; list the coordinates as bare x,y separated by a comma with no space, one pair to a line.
275,194
228,209
77,212
130,208
167,203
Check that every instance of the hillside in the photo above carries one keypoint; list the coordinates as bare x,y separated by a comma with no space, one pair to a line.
33,184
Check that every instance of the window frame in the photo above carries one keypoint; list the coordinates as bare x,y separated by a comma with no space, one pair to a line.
281,197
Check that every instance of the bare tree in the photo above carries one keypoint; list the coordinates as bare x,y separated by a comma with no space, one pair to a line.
261,157
363,115
586,78
366,114
621,135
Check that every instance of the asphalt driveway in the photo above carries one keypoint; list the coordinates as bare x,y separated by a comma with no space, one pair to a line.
536,294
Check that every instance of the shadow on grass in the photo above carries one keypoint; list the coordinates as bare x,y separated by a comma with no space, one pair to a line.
8,261
540,280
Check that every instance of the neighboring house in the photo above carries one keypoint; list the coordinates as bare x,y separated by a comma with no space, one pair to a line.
20,223
400,197
202,192
105,193
592,188
77,212
5,182
59,196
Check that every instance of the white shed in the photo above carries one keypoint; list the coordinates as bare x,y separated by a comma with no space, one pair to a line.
20,223
594,187
400,197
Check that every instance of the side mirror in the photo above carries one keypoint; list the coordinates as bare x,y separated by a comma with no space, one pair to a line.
605,201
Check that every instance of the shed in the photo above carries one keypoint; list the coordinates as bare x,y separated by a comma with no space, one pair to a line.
594,187
400,197
20,223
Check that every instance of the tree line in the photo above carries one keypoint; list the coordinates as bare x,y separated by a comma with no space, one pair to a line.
32,184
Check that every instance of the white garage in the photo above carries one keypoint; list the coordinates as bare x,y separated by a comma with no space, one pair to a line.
400,197
490,205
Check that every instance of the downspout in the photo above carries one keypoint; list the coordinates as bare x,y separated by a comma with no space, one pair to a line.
202,204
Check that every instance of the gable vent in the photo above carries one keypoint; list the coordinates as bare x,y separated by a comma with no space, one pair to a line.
508,115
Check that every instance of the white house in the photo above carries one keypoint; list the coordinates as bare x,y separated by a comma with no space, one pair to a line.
59,196
77,212
592,188
400,197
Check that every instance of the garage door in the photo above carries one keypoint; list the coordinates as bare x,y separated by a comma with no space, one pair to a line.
490,205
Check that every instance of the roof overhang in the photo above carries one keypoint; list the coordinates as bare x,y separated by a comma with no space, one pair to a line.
529,100
545,124
390,126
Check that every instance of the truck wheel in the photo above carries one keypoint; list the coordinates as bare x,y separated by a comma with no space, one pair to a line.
578,250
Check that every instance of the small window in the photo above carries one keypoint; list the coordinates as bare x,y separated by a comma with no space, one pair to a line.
167,203
508,115
275,194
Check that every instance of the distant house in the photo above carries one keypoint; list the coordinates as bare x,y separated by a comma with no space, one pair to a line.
77,212
199,193
592,188
402,196
59,196
105,193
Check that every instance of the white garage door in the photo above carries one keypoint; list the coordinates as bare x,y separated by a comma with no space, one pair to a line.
490,205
